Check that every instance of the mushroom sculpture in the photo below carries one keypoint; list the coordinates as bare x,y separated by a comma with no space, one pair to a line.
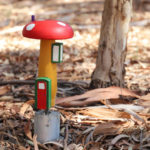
46,84
50,52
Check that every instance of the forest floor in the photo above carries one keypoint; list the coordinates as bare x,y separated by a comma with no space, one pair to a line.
97,122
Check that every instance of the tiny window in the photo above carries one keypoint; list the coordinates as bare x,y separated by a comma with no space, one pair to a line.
41,86
57,52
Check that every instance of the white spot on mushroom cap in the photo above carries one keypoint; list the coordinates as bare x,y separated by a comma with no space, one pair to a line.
30,27
61,23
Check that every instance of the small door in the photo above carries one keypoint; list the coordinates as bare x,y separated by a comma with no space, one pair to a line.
43,93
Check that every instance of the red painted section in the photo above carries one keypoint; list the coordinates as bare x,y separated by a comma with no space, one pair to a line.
41,95
48,30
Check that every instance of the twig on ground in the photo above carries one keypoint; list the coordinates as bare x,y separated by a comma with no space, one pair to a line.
32,82
141,138
35,142
66,137
18,82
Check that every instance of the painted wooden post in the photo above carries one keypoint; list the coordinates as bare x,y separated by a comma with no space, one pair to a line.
46,120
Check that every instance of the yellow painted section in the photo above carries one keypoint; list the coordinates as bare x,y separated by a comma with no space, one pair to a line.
46,67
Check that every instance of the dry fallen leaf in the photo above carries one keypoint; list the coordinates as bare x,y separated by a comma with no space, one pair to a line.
24,148
35,142
145,97
95,95
30,102
27,130
113,127
6,98
92,146
116,139
144,100
105,114
4,90
23,108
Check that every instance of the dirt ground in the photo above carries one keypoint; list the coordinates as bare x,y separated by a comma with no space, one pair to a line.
19,61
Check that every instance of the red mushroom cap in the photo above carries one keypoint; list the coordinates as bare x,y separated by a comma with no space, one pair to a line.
48,30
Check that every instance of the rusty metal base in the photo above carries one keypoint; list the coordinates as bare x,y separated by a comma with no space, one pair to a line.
47,125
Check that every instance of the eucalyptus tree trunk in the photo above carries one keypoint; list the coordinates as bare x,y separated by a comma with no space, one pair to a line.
110,69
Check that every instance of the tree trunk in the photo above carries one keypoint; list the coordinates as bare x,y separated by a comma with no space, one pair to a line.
110,69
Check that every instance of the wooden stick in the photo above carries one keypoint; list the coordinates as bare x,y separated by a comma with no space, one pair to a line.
18,82
66,138
32,82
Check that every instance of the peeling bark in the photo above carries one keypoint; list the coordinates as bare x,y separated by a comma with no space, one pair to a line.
110,69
